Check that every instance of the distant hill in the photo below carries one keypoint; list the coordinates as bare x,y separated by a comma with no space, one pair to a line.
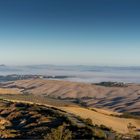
121,99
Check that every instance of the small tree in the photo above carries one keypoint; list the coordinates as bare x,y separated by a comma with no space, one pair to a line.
59,134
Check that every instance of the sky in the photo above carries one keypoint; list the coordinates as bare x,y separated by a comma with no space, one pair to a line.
70,32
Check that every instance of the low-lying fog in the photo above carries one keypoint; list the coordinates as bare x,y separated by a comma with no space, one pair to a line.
78,73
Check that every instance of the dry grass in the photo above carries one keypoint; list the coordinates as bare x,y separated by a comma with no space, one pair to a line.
125,98
3,121
115,98
9,91
105,111
117,124
99,116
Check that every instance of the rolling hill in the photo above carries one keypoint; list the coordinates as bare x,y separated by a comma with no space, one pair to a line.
120,99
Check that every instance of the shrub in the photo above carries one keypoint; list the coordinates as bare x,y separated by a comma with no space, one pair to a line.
98,133
88,121
103,127
59,133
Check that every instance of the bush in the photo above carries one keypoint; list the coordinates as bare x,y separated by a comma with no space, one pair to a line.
88,121
103,127
98,133
59,133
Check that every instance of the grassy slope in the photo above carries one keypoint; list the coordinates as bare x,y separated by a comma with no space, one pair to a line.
9,91
117,124
116,98
31,121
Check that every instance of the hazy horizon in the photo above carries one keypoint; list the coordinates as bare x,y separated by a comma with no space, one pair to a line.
67,65
78,73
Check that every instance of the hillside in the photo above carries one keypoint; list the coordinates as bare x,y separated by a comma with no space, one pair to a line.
20,120
97,116
118,124
121,99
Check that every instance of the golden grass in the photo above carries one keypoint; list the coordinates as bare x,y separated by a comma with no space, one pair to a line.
105,111
99,117
3,121
117,124
9,91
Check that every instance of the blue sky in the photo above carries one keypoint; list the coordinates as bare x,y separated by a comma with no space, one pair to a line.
90,32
